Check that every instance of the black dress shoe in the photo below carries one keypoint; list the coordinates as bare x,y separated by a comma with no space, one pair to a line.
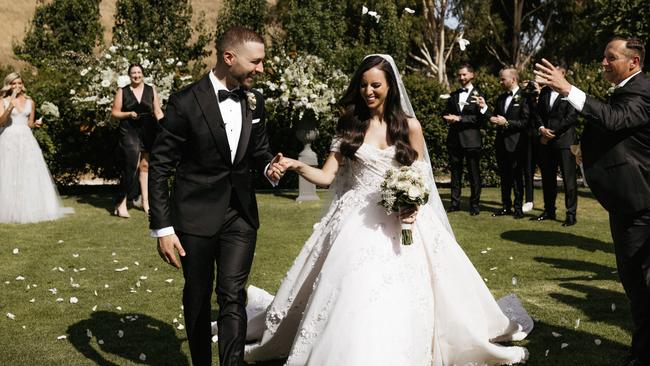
474,212
502,212
570,221
453,209
519,214
544,216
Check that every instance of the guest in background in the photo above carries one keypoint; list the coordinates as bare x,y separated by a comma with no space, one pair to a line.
464,118
510,117
27,192
615,154
530,93
555,119
138,108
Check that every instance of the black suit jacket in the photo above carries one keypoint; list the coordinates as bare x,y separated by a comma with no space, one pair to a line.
193,143
561,118
512,137
467,132
616,147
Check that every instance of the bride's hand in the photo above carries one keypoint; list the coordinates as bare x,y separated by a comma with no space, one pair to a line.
408,215
289,164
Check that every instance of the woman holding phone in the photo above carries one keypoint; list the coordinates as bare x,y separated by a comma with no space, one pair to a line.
138,108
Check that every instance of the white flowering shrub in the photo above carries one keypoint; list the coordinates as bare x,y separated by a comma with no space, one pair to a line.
104,74
303,83
49,110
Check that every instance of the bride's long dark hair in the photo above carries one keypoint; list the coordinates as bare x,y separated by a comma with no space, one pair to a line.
355,118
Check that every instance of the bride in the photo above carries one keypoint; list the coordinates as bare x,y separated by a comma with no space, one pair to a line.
355,295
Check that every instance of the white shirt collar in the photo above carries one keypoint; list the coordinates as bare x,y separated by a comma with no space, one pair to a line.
468,87
218,85
515,90
622,83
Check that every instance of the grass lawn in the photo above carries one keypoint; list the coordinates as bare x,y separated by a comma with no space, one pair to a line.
128,308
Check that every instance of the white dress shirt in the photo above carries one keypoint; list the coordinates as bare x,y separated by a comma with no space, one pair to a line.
509,98
551,102
577,97
464,95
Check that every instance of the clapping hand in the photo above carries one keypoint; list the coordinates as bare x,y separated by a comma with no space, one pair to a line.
551,76
498,120
451,118
480,101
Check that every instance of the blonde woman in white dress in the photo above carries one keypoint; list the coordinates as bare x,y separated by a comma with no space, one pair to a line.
27,192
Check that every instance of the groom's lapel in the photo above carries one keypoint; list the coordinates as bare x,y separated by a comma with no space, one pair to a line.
246,127
209,104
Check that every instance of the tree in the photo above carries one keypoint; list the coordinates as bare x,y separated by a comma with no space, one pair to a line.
169,22
251,14
58,26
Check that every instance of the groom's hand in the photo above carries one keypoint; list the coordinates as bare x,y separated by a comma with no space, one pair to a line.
551,76
275,170
168,246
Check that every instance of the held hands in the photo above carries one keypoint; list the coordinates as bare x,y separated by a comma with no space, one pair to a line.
498,120
549,75
547,133
451,118
167,247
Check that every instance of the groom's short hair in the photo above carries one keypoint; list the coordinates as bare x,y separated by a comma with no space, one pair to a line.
234,37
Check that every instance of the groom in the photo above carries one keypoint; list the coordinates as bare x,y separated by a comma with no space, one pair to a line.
212,137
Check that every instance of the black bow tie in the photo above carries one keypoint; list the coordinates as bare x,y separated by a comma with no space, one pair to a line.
464,90
509,93
225,94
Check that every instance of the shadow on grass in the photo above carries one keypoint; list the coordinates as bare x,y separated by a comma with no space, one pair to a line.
142,335
581,348
557,239
595,272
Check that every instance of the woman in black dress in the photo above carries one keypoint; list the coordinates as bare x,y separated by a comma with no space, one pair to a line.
138,108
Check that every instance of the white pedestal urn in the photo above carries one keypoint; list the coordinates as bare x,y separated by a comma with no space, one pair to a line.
306,132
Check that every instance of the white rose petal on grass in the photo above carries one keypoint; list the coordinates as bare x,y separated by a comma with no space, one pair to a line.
33,300
613,307
73,300
121,269
546,353
494,268
94,308
143,277
16,251
597,342
514,281
180,327
75,255
215,338
119,308
106,285
11,316
169,280
564,345
53,291
483,251
20,278
89,334
60,299
556,335
143,357
60,242
61,337
136,263
101,341
577,324
120,333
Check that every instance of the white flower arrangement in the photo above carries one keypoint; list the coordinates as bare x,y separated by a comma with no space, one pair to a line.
401,189
108,71
49,109
303,83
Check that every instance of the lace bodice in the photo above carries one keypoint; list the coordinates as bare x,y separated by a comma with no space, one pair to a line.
18,117
368,170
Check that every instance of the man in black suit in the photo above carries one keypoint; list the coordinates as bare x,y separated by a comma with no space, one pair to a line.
510,117
212,137
464,117
555,119
615,153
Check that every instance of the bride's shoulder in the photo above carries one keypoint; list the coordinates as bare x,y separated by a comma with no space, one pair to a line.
414,125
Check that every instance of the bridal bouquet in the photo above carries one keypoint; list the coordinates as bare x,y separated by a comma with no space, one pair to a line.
401,189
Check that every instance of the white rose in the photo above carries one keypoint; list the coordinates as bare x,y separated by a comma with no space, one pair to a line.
105,83
108,56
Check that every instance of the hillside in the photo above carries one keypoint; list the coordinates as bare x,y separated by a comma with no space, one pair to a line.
16,15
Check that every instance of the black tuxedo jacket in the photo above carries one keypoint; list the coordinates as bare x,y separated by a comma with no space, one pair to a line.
561,118
616,147
193,143
467,132
512,137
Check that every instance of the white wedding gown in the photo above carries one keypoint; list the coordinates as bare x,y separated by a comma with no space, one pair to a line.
355,296
27,193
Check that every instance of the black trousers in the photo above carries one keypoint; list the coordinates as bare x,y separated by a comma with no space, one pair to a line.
532,157
231,250
551,158
511,173
472,158
631,235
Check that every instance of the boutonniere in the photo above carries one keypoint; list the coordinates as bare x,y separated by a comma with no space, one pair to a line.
474,93
252,100
516,98
610,91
